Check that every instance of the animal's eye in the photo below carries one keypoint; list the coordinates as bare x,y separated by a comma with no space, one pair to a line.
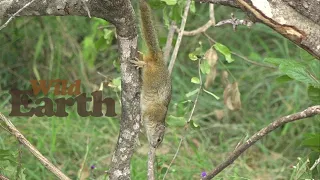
159,140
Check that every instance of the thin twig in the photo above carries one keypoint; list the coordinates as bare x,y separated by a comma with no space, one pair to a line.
230,3
15,14
174,157
151,160
168,47
32,149
203,28
235,22
309,112
253,62
315,164
86,8
187,124
240,56
176,47
84,159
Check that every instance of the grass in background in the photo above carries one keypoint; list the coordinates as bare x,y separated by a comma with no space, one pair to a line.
56,47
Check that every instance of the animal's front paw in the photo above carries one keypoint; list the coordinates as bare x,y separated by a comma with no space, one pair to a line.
137,63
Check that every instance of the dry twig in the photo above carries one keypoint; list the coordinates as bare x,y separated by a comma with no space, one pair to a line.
15,14
309,112
151,160
168,47
44,161
235,22
203,28
315,164
176,47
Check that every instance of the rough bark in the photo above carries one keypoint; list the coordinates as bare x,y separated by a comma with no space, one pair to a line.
121,14
295,20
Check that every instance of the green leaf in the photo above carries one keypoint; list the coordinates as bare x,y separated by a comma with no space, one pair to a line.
205,67
283,79
116,64
215,96
108,36
298,72
194,125
117,83
170,2
89,50
224,50
37,52
193,7
314,94
191,93
176,13
166,19
195,80
193,57
312,141
7,155
198,52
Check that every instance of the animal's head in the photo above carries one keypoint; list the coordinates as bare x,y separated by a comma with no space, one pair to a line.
155,138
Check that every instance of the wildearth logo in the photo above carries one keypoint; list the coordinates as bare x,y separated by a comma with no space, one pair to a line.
22,97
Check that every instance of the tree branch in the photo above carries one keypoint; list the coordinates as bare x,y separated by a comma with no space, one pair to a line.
231,3
121,14
180,35
151,161
43,160
168,47
297,21
309,112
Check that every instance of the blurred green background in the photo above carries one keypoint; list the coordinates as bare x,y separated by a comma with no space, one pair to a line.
78,48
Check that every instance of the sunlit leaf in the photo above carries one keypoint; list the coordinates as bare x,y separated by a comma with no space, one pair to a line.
195,80
224,50
205,67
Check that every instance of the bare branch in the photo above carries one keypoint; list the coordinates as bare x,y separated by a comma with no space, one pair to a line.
288,22
168,47
15,14
231,3
315,164
151,161
309,112
43,160
176,48
235,22
211,13
203,28
199,30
